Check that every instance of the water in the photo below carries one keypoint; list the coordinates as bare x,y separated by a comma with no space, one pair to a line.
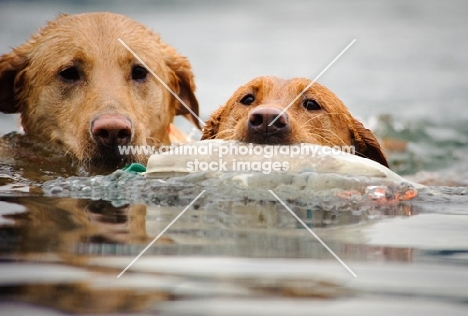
240,251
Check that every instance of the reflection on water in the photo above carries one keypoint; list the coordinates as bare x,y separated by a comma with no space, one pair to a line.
80,245
68,226
59,225
240,252
64,249
71,231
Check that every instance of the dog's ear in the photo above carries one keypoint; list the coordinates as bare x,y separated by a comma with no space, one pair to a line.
12,72
366,145
210,130
185,83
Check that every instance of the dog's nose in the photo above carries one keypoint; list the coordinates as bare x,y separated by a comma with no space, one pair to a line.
111,130
261,117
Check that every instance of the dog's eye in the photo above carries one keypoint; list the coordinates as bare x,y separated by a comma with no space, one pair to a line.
139,73
70,74
247,99
311,105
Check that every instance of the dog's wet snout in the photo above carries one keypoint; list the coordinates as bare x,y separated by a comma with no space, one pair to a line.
261,118
112,130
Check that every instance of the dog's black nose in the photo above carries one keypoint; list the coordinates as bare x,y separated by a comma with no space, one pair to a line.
112,130
261,118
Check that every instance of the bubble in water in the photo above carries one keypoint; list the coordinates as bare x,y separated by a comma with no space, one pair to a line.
86,189
56,190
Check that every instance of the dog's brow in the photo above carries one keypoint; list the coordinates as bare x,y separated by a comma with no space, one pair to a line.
313,81
161,81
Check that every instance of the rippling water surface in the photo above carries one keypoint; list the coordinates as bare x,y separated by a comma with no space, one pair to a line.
65,236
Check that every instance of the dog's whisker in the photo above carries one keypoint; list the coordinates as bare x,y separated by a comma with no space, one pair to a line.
336,128
329,141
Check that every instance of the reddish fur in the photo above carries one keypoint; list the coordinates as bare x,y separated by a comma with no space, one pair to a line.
330,126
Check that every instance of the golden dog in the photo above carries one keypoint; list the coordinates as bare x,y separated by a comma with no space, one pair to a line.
76,85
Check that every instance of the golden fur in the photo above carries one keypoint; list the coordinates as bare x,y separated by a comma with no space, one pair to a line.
54,109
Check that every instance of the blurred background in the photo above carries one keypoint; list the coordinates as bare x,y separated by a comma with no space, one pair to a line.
406,77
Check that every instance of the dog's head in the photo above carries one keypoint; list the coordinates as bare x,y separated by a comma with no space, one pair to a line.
270,110
76,84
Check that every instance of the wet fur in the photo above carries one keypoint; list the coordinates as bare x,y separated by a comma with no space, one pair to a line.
332,125
54,111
